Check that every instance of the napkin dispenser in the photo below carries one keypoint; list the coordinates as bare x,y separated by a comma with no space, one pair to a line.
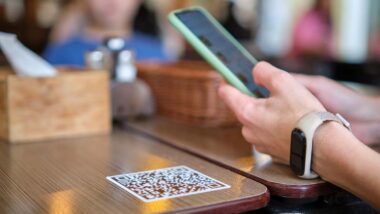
42,108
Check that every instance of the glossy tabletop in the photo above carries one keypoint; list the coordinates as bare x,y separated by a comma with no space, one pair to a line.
69,176
225,146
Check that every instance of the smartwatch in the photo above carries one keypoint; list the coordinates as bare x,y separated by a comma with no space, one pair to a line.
301,146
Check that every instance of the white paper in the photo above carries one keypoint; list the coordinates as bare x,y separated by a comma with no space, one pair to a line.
24,61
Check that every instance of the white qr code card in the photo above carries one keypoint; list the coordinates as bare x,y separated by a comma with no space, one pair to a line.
166,183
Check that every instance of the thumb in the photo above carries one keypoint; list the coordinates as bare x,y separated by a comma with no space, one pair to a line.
268,76
234,99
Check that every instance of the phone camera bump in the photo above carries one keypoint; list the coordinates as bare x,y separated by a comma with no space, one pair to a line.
221,57
205,40
242,78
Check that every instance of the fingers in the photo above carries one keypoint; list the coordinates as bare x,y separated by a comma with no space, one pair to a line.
303,79
248,135
317,83
321,86
252,138
242,105
311,82
272,78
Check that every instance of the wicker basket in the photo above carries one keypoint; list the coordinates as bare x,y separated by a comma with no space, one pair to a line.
187,91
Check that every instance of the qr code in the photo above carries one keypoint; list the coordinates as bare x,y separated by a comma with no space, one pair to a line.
166,183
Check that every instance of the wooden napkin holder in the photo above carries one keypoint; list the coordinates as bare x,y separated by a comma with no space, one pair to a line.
44,108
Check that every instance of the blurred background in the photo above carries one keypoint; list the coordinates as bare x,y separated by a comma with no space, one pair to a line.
336,38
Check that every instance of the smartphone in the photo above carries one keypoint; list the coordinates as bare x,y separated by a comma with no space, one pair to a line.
219,48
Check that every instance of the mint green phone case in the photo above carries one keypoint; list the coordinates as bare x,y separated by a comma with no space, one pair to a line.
206,53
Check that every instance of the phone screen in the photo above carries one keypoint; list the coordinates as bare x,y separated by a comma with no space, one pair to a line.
222,47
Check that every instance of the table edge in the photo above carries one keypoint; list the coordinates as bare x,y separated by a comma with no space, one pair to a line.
286,191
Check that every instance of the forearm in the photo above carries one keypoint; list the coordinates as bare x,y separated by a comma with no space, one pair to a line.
373,119
343,160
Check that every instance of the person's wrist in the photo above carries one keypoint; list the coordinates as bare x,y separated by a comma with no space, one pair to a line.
375,101
325,147
375,117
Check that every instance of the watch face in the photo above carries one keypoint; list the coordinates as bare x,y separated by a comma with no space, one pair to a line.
297,151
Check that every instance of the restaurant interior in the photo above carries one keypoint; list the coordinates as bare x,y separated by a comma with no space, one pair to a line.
101,98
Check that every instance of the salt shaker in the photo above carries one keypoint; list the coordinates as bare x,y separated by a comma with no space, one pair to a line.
96,60
113,45
125,69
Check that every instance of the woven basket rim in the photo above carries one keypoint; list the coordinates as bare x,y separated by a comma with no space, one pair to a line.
179,69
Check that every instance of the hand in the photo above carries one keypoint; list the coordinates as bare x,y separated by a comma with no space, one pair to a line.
361,111
267,123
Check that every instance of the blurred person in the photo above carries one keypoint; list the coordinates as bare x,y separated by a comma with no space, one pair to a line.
374,46
312,35
69,23
338,156
89,22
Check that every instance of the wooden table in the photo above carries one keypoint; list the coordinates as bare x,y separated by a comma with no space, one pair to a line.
226,147
68,176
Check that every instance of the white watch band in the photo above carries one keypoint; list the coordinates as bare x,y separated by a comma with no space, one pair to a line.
308,124
327,116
